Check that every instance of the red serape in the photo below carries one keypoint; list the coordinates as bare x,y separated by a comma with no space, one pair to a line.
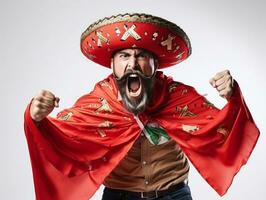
72,155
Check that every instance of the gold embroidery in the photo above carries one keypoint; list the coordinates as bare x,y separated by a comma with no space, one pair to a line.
189,128
66,116
130,32
173,87
168,42
179,56
101,39
105,124
106,84
208,104
184,91
104,107
127,118
101,132
184,112
93,105
177,47
223,131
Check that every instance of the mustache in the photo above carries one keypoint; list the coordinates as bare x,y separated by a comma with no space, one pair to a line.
129,72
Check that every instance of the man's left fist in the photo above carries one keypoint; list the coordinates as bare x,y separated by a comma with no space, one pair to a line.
223,82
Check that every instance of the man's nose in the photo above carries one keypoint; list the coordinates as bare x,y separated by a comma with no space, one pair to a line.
133,62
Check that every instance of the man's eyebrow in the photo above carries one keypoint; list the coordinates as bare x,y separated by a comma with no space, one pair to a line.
139,53
122,52
145,53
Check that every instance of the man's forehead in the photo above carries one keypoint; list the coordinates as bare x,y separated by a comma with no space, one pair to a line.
132,51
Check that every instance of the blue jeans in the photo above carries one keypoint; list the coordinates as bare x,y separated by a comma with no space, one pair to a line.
180,194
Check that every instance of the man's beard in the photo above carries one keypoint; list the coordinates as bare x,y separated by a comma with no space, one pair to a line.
137,105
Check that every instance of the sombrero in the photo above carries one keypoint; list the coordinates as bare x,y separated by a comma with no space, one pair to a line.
165,39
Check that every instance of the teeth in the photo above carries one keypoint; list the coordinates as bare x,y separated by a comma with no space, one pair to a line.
133,75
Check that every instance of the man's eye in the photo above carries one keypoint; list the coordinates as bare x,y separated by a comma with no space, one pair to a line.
143,55
124,55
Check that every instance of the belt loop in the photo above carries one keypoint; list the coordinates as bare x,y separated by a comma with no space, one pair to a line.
156,194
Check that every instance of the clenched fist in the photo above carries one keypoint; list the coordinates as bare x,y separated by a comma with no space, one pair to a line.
223,82
42,105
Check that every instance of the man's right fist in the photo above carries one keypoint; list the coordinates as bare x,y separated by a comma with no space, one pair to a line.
42,105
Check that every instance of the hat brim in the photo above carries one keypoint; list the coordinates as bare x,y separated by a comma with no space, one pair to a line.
168,42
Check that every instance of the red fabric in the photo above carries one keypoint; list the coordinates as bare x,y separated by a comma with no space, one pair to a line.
72,155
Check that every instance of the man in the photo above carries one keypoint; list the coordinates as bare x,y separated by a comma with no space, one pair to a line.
131,132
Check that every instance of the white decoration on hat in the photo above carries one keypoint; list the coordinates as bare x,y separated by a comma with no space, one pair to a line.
179,56
154,35
101,39
117,31
177,47
130,32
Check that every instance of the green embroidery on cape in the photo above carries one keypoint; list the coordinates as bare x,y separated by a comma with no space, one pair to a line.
155,133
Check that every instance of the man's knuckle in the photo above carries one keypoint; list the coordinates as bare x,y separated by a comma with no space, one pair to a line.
42,92
38,104
227,71
35,103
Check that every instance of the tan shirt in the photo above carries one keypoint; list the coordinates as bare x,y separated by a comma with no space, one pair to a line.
149,167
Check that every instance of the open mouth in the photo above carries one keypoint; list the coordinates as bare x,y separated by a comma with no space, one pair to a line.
134,86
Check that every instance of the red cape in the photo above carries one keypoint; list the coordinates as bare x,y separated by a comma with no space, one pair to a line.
73,154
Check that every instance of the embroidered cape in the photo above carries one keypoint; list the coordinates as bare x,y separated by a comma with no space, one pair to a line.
72,154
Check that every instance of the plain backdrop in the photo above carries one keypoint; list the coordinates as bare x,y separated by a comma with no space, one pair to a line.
39,49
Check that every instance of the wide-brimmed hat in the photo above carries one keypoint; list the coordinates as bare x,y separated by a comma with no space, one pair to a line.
164,39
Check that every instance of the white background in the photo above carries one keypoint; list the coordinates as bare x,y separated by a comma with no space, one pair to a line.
39,49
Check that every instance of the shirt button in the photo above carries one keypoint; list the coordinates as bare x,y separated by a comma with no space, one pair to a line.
146,182
142,134
144,162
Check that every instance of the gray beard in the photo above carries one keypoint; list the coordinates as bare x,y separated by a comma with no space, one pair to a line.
140,105
135,107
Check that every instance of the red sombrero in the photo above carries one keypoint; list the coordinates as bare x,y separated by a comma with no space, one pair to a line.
165,39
